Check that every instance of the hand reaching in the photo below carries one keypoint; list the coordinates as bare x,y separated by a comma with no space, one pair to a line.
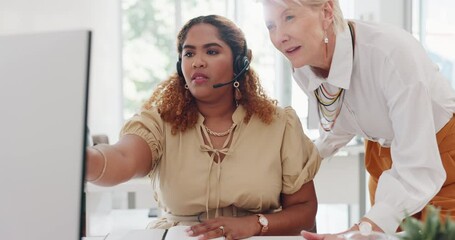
315,236
230,227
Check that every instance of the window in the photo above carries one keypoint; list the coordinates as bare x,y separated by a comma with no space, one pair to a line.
433,24
148,48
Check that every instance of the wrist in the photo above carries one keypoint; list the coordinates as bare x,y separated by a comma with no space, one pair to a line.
257,226
365,228
263,223
96,164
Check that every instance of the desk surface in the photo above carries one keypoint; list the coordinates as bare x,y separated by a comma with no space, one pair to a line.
255,238
156,234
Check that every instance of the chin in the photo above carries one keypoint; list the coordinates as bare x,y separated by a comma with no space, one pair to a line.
296,64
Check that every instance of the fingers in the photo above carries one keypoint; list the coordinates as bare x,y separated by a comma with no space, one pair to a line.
207,230
311,236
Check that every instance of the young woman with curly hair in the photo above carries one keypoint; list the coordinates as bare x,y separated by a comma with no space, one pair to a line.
227,161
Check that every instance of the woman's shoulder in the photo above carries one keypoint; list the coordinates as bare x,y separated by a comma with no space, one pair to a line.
151,113
376,29
147,117
286,113
284,110
386,38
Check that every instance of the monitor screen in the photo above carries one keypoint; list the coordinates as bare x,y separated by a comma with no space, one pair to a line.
43,114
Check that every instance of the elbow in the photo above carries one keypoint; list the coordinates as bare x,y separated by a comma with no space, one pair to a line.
311,227
439,177
309,212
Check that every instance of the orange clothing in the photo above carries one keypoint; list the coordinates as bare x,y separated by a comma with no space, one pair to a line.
378,160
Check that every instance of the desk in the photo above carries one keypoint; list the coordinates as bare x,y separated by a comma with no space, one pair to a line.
255,238
157,234
397,236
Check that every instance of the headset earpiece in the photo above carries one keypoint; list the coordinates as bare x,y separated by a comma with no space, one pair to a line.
179,68
240,63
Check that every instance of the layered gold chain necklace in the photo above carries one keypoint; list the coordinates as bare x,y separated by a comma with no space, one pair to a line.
329,106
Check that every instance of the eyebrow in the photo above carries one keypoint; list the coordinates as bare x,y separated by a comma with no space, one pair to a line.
208,45
282,13
285,11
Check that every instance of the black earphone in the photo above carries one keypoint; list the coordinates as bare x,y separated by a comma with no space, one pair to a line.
241,65
241,62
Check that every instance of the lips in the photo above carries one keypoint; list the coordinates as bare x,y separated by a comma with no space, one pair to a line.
199,77
292,49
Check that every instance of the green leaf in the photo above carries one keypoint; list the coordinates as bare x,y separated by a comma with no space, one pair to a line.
412,228
431,229
432,226
449,228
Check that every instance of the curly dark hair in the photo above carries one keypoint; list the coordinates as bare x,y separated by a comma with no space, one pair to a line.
178,107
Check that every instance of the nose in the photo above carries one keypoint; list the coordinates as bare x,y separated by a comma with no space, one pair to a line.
198,62
281,35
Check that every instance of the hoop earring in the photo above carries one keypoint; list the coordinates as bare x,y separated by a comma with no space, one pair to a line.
238,94
326,39
186,86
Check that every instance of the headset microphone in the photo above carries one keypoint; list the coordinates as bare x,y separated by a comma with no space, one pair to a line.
244,69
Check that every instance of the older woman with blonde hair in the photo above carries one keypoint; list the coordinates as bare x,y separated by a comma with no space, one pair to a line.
375,81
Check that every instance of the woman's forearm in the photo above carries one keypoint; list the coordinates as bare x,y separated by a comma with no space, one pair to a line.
108,165
293,219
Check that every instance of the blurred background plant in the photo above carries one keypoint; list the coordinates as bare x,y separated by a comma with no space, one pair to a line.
432,228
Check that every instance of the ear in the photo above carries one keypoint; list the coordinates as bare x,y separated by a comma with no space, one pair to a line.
327,10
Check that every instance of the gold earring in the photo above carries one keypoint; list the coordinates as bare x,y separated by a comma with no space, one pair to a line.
187,94
326,39
238,94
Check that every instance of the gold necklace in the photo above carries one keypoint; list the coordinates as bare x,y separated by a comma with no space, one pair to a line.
329,106
219,134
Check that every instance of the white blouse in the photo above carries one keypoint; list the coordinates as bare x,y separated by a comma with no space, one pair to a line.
396,96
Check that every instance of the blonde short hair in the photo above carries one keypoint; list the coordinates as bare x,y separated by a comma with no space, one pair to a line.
338,19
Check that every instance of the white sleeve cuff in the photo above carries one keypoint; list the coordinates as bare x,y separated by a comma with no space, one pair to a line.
387,218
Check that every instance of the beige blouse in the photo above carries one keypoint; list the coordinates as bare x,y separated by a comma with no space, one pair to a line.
261,162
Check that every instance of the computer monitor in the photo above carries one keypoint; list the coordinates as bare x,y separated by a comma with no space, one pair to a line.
43,115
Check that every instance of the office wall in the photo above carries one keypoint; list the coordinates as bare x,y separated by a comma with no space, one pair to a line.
103,18
393,12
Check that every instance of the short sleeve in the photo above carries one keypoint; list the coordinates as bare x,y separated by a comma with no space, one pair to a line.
300,157
149,126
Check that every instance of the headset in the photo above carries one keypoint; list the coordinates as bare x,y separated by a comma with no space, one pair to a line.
241,65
